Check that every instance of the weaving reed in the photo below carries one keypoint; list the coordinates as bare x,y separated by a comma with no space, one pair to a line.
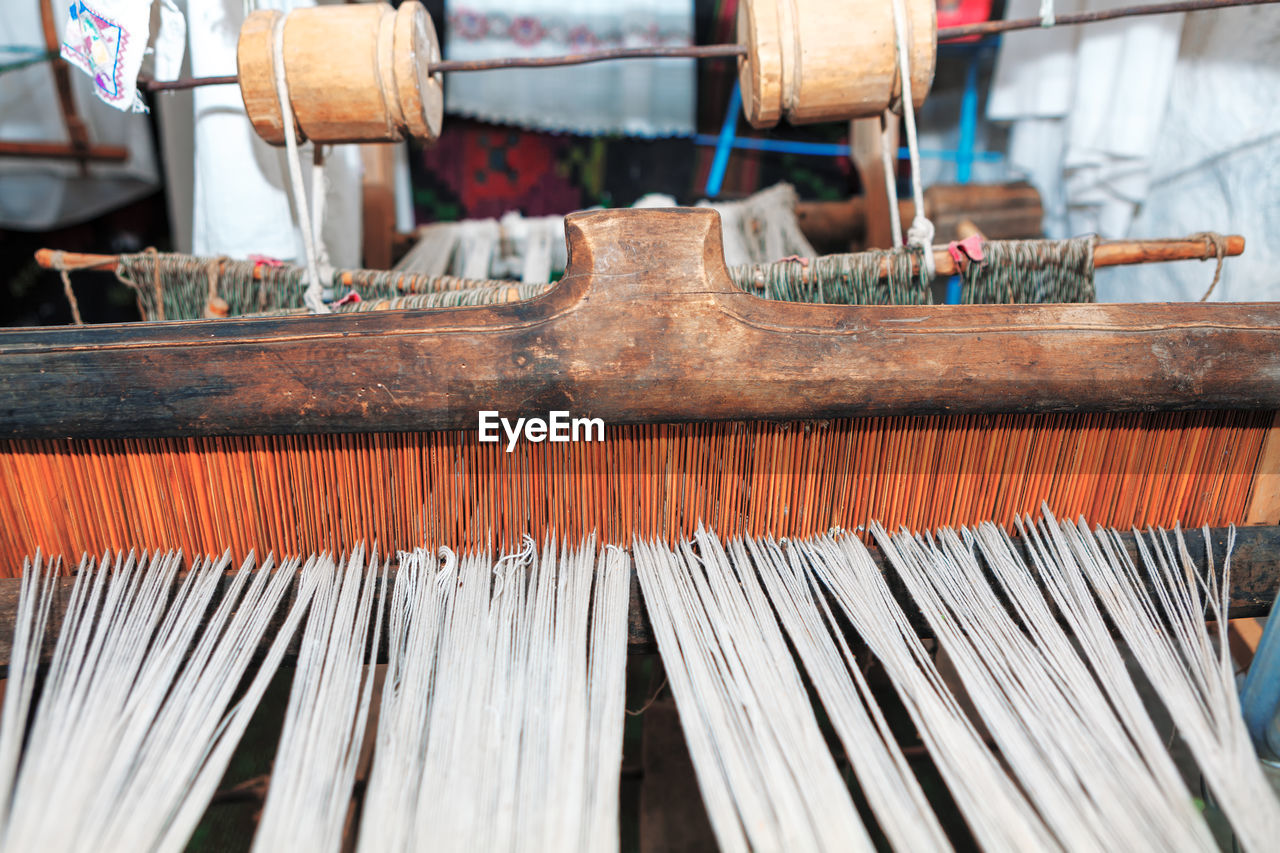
306,494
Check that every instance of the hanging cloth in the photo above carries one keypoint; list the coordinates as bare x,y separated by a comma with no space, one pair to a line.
652,97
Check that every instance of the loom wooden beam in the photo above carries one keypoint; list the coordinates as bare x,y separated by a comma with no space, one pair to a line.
1255,576
645,327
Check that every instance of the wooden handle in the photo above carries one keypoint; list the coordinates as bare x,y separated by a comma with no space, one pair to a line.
626,336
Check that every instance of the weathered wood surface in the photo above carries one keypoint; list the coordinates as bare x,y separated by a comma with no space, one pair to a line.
645,328
1255,576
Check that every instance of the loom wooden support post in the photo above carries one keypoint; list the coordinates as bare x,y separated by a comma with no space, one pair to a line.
1255,576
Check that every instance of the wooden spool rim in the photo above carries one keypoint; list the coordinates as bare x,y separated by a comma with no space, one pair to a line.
416,47
257,79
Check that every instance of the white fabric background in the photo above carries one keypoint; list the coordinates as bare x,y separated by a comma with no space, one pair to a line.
1151,127
644,98
39,195
239,199
1216,164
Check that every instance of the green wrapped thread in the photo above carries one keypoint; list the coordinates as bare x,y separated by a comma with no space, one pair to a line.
1012,271
853,279
179,287
1031,271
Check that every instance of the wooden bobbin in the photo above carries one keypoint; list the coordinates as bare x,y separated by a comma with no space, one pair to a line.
356,73
829,60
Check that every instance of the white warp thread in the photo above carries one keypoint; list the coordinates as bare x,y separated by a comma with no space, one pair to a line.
767,777
502,710
1190,670
899,803
1051,719
1080,764
135,724
315,764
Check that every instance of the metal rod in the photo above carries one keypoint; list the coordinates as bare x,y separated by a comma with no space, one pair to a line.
62,151
730,51
709,51
188,83
706,51
987,28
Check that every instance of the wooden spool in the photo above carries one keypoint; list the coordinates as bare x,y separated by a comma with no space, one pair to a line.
356,73
822,60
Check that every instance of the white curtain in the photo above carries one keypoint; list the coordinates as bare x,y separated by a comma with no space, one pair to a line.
1145,128
653,97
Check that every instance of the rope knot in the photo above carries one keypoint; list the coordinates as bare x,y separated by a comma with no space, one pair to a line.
921,234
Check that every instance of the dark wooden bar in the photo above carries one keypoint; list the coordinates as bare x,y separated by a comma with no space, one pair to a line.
1255,577
646,327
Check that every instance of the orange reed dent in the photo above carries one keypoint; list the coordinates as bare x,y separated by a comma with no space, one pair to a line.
300,494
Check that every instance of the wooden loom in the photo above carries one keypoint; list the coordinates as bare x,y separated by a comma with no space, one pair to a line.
1010,405
298,434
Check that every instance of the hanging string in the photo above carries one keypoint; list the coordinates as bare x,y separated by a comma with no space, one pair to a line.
921,231
889,159
1215,242
310,224
64,269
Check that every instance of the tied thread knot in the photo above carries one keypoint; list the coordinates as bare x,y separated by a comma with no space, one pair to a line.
921,234
1214,245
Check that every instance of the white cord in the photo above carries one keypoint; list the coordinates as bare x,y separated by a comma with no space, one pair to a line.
921,231
314,296
888,155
